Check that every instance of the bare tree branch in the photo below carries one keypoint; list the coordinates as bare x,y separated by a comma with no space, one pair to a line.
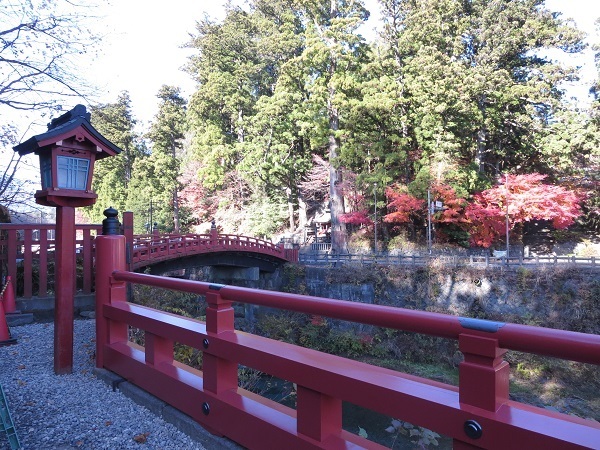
41,43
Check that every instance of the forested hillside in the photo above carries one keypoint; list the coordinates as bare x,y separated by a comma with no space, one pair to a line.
295,113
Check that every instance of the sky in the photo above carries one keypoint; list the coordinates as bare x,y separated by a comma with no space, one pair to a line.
143,50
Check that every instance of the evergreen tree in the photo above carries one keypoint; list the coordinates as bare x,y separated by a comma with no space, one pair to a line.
480,92
330,61
230,78
166,136
275,153
112,176
455,93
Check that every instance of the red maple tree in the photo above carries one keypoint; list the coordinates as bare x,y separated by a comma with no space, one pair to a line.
453,206
403,207
523,198
355,202
194,196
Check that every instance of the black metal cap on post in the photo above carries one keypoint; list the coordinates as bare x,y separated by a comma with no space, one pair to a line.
111,225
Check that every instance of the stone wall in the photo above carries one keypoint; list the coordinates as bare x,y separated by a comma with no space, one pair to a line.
553,297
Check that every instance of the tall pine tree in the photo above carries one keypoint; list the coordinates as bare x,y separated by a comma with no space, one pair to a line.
112,176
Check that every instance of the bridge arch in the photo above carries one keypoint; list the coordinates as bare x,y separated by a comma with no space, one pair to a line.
223,267
169,253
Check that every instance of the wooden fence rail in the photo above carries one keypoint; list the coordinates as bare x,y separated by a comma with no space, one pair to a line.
452,260
31,247
27,252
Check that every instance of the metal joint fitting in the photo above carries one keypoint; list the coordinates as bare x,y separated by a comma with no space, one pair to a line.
473,429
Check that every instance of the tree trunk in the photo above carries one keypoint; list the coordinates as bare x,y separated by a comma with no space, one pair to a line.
302,215
481,137
339,234
176,223
290,202
480,155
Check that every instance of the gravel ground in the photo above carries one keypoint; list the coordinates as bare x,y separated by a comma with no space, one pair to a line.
77,410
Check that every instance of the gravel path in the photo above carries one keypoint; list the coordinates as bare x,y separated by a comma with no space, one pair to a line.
76,410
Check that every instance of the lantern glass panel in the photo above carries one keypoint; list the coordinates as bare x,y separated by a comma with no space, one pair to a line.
46,170
72,172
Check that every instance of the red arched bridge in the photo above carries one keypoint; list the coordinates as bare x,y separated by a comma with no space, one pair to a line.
28,250
152,249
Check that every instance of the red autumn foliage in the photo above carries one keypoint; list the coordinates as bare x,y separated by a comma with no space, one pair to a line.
454,206
194,196
356,218
403,206
524,198
356,203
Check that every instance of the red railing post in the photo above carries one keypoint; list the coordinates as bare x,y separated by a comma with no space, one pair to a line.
483,381
318,415
158,349
214,234
128,232
483,375
219,374
27,263
11,257
86,253
43,263
110,256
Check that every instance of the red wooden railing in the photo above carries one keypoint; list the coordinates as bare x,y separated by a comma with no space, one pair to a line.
32,245
476,414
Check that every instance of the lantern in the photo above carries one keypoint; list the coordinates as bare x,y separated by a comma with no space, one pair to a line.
67,152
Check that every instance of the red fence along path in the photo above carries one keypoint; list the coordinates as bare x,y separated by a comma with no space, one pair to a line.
32,246
476,414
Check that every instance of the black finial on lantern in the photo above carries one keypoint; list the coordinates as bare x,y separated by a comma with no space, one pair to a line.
111,225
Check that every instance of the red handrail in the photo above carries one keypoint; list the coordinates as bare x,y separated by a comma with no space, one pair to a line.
477,414
571,345
147,249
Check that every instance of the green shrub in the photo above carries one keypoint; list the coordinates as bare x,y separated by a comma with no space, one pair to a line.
402,244
360,242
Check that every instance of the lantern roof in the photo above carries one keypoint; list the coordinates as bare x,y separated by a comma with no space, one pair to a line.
74,123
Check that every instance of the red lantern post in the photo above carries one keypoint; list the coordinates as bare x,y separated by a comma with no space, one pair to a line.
67,153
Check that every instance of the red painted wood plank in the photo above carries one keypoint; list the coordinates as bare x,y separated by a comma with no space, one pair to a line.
27,263
43,264
87,250
12,256
424,402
